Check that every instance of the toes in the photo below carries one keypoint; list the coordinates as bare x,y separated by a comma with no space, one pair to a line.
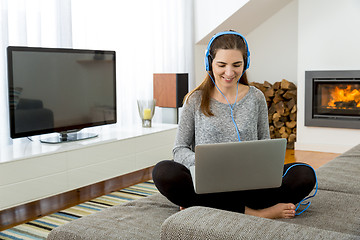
291,206
289,213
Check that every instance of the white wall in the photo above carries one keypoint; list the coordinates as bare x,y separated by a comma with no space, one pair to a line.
328,39
200,72
273,47
208,14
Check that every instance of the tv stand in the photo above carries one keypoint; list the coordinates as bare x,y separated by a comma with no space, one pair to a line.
68,137
31,170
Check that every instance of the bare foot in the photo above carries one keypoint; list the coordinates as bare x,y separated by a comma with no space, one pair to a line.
182,208
280,210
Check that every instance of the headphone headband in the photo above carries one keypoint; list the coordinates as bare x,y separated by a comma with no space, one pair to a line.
207,53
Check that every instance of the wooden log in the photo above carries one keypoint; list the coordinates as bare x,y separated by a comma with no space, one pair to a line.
269,92
282,130
259,86
283,119
278,124
284,135
277,135
291,124
276,116
272,109
286,112
288,130
276,85
290,104
280,107
268,101
292,116
278,98
285,84
267,84
290,94
271,128
280,91
292,138
290,145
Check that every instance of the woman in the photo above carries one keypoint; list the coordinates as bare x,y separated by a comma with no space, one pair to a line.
224,108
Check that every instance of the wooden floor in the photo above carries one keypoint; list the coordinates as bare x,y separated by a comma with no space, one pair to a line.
314,159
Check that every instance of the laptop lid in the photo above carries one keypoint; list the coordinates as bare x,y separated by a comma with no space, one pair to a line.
235,166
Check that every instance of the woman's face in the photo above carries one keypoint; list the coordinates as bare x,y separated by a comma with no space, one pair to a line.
227,67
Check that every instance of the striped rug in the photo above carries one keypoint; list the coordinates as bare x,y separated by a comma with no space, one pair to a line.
40,228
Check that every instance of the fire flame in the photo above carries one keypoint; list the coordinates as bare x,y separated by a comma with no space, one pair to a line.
345,95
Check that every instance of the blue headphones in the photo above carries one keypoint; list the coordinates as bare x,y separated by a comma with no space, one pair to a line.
208,57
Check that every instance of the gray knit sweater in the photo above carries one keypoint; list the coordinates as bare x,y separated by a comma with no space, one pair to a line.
250,114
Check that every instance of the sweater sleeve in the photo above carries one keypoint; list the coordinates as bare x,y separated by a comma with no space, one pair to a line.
184,143
263,121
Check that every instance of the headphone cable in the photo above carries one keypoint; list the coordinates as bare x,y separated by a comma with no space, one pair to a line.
230,106
301,203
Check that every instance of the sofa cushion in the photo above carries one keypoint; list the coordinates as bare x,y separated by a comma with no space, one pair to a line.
331,215
199,223
139,219
342,173
333,211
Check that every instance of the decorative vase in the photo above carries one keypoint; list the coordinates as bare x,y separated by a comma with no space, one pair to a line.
146,111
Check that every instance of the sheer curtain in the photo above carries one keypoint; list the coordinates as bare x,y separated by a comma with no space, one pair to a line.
148,36
36,23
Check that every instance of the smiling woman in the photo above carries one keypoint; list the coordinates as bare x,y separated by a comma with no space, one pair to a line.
206,119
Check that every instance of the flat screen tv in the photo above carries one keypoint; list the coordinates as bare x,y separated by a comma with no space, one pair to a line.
60,90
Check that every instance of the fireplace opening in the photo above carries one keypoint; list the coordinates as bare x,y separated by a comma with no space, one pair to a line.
332,99
337,98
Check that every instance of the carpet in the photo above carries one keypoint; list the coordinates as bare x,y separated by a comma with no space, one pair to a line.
40,228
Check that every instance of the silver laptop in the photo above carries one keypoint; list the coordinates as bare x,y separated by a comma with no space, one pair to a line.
224,167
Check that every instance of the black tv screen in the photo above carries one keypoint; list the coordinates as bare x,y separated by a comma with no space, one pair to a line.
60,90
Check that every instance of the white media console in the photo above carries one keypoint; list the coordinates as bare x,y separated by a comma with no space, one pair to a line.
30,170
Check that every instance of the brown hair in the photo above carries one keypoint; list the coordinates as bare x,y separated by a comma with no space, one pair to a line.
227,41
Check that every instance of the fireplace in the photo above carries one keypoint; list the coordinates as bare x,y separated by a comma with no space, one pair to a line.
332,99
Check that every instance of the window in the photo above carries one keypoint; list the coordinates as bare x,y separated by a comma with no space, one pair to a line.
148,37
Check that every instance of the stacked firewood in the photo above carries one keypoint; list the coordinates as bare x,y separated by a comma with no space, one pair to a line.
281,100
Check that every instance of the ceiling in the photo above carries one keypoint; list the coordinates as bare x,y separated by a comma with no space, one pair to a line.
248,17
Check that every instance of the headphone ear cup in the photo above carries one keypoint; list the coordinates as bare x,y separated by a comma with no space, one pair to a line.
206,63
209,60
247,62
